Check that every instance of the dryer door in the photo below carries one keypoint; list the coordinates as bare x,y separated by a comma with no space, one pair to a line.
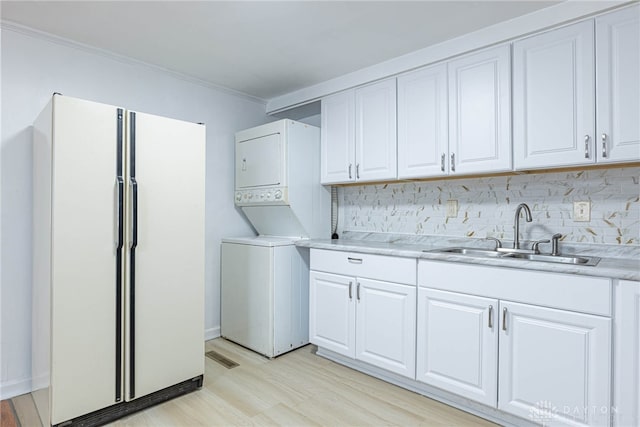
260,162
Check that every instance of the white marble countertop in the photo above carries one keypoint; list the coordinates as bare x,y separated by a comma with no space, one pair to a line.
617,262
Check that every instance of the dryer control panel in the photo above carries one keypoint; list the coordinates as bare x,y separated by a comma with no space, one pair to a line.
267,196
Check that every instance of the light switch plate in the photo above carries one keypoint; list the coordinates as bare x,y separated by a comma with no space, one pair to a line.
452,208
581,211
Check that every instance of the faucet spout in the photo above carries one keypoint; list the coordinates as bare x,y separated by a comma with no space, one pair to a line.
516,223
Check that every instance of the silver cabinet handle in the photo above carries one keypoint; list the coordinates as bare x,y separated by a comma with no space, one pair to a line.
586,146
604,145
357,170
453,162
442,162
358,291
350,293
350,176
354,260
504,319
490,317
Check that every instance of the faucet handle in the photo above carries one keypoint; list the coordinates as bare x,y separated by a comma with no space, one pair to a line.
554,244
535,245
498,242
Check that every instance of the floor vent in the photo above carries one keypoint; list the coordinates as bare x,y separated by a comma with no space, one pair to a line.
224,361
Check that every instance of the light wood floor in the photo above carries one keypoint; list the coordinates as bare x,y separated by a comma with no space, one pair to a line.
296,389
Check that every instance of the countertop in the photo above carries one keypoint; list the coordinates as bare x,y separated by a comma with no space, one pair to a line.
617,262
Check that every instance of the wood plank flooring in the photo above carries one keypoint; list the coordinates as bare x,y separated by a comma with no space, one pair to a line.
296,389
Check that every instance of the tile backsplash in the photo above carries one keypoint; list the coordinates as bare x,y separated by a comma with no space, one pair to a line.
486,206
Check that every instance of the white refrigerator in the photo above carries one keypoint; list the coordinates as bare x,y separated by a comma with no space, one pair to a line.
118,261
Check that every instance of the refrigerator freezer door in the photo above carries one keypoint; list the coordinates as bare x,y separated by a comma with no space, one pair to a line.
83,261
165,307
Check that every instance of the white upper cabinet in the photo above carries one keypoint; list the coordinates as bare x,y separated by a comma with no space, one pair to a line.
480,112
423,138
376,131
337,138
358,131
618,86
577,93
553,98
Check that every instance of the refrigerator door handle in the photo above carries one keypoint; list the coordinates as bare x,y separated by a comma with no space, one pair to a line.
132,254
119,249
133,240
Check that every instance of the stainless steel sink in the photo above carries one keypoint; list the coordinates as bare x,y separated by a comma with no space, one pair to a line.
469,251
506,253
559,259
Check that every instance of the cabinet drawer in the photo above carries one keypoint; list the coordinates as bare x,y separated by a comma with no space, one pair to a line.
564,291
378,267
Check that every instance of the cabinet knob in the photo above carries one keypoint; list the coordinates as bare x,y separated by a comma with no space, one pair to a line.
357,170
453,162
350,176
442,162
604,145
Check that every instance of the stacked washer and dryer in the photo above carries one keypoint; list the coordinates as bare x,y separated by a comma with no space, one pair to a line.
265,279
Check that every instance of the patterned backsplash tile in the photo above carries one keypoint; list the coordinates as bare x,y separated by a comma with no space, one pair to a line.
486,206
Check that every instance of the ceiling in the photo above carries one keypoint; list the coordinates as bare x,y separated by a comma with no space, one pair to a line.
262,48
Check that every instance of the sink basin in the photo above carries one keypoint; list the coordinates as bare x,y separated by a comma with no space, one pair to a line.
577,260
505,253
470,251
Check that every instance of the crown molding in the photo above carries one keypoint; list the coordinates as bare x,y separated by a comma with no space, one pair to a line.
32,32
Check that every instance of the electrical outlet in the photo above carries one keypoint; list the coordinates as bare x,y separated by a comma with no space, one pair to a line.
452,208
581,211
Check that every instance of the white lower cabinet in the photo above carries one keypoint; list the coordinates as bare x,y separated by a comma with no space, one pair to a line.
332,312
457,345
626,392
554,365
370,320
551,366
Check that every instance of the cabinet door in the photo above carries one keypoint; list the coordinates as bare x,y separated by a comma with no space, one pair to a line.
337,138
376,131
423,139
626,392
166,269
84,271
555,365
386,325
618,86
457,344
480,112
332,312
553,98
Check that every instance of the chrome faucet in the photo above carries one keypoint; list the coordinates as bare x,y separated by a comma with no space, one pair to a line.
516,223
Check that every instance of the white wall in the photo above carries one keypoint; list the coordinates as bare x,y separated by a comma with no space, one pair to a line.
33,67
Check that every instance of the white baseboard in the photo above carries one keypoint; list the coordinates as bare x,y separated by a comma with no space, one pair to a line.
9,389
211,333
